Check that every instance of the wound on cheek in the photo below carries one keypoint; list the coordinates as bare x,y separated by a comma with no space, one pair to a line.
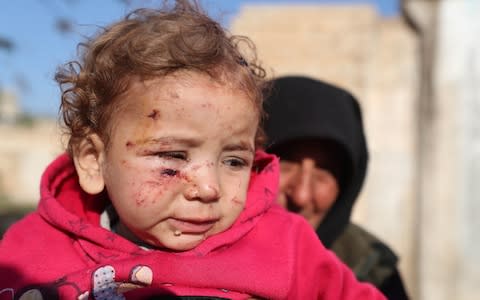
149,192
154,115
140,201
129,145
172,174
169,172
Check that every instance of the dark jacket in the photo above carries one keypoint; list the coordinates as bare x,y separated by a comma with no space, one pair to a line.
303,108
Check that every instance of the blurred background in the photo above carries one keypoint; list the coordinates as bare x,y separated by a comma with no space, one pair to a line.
413,64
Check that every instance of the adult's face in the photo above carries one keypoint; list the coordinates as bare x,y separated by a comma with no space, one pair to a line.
307,184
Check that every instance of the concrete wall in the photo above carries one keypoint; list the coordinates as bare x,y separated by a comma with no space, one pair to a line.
449,250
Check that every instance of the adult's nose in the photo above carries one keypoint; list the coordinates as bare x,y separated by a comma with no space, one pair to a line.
302,185
204,184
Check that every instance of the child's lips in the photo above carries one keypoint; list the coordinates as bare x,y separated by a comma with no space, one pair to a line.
189,226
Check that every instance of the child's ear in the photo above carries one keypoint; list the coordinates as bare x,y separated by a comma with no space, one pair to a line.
88,157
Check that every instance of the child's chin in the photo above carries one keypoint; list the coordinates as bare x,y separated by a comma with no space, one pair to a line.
183,242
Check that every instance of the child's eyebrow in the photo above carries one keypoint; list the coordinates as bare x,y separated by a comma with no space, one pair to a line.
168,140
242,146
192,142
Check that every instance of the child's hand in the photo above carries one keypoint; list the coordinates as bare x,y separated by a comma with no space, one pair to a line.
106,286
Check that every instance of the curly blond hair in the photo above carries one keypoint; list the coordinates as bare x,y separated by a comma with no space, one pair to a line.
150,43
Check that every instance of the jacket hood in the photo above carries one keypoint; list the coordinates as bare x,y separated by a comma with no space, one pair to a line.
304,108
64,205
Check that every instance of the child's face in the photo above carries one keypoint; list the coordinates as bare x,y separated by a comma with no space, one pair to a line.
178,165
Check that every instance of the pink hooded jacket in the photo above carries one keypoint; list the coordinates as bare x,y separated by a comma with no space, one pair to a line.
60,251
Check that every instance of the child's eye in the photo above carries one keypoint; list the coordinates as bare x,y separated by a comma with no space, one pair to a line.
173,155
235,162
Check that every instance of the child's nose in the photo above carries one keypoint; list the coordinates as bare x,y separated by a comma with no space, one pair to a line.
204,185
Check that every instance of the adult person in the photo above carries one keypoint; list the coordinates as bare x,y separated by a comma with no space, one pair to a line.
316,130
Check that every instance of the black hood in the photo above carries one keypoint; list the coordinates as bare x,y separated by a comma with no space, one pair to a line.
304,108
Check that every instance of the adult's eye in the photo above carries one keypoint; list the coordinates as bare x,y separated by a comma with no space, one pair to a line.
323,175
287,167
